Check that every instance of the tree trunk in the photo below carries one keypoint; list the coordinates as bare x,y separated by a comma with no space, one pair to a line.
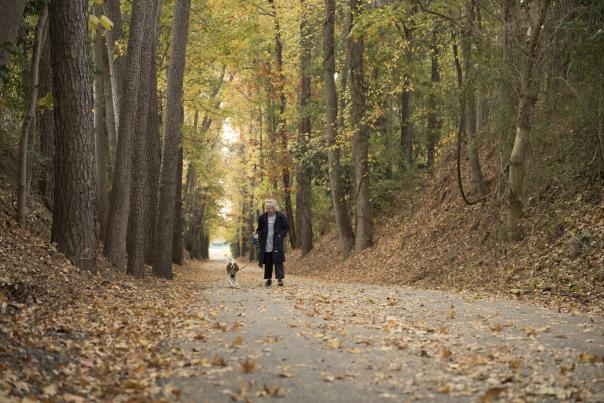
162,266
117,220
364,215
110,117
528,89
281,131
118,59
139,202
153,145
26,128
11,14
406,124
46,127
434,119
333,151
177,247
346,41
101,140
470,94
73,227
250,229
304,189
406,141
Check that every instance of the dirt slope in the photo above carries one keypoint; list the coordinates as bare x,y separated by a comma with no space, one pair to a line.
436,241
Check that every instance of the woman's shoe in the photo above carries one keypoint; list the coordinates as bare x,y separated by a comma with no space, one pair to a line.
280,282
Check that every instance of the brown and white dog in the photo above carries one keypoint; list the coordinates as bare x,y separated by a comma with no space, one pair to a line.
232,268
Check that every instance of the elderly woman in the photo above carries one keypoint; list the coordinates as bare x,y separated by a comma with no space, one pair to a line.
271,231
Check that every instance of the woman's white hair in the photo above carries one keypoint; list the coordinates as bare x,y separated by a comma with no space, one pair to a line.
271,202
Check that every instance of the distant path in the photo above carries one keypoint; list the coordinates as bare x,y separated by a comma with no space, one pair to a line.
315,342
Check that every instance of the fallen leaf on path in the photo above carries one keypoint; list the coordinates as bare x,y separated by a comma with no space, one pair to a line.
334,344
218,361
491,395
248,366
237,342
269,391
327,377
171,391
589,358
446,353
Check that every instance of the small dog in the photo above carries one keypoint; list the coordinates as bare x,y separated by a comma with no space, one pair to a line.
232,268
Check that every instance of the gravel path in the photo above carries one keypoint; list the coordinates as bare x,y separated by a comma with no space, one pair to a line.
317,342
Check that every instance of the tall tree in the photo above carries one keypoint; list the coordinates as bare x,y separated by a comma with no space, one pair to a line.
281,129
74,212
364,215
108,106
304,189
28,121
406,141
434,119
11,14
345,232
117,58
162,266
139,202
46,127
117,219
177,247
467,34
100,131
528,97
153,144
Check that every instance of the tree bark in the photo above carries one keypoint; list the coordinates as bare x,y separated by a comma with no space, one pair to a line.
73,227
470,94
177,247
46,127
11,14
108,104
406,124
343,224
100,132
118,59
139,202
282,132
434,119
528,91
172,134
153,145
304,189
26,128
364,215
346,41
117,220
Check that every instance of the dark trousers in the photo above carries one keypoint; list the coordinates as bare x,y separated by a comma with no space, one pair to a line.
268,267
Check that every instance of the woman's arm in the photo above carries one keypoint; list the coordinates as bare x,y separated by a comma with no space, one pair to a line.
285,227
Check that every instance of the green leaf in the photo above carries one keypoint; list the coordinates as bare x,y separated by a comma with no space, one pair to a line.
106,22
93,22
47,101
